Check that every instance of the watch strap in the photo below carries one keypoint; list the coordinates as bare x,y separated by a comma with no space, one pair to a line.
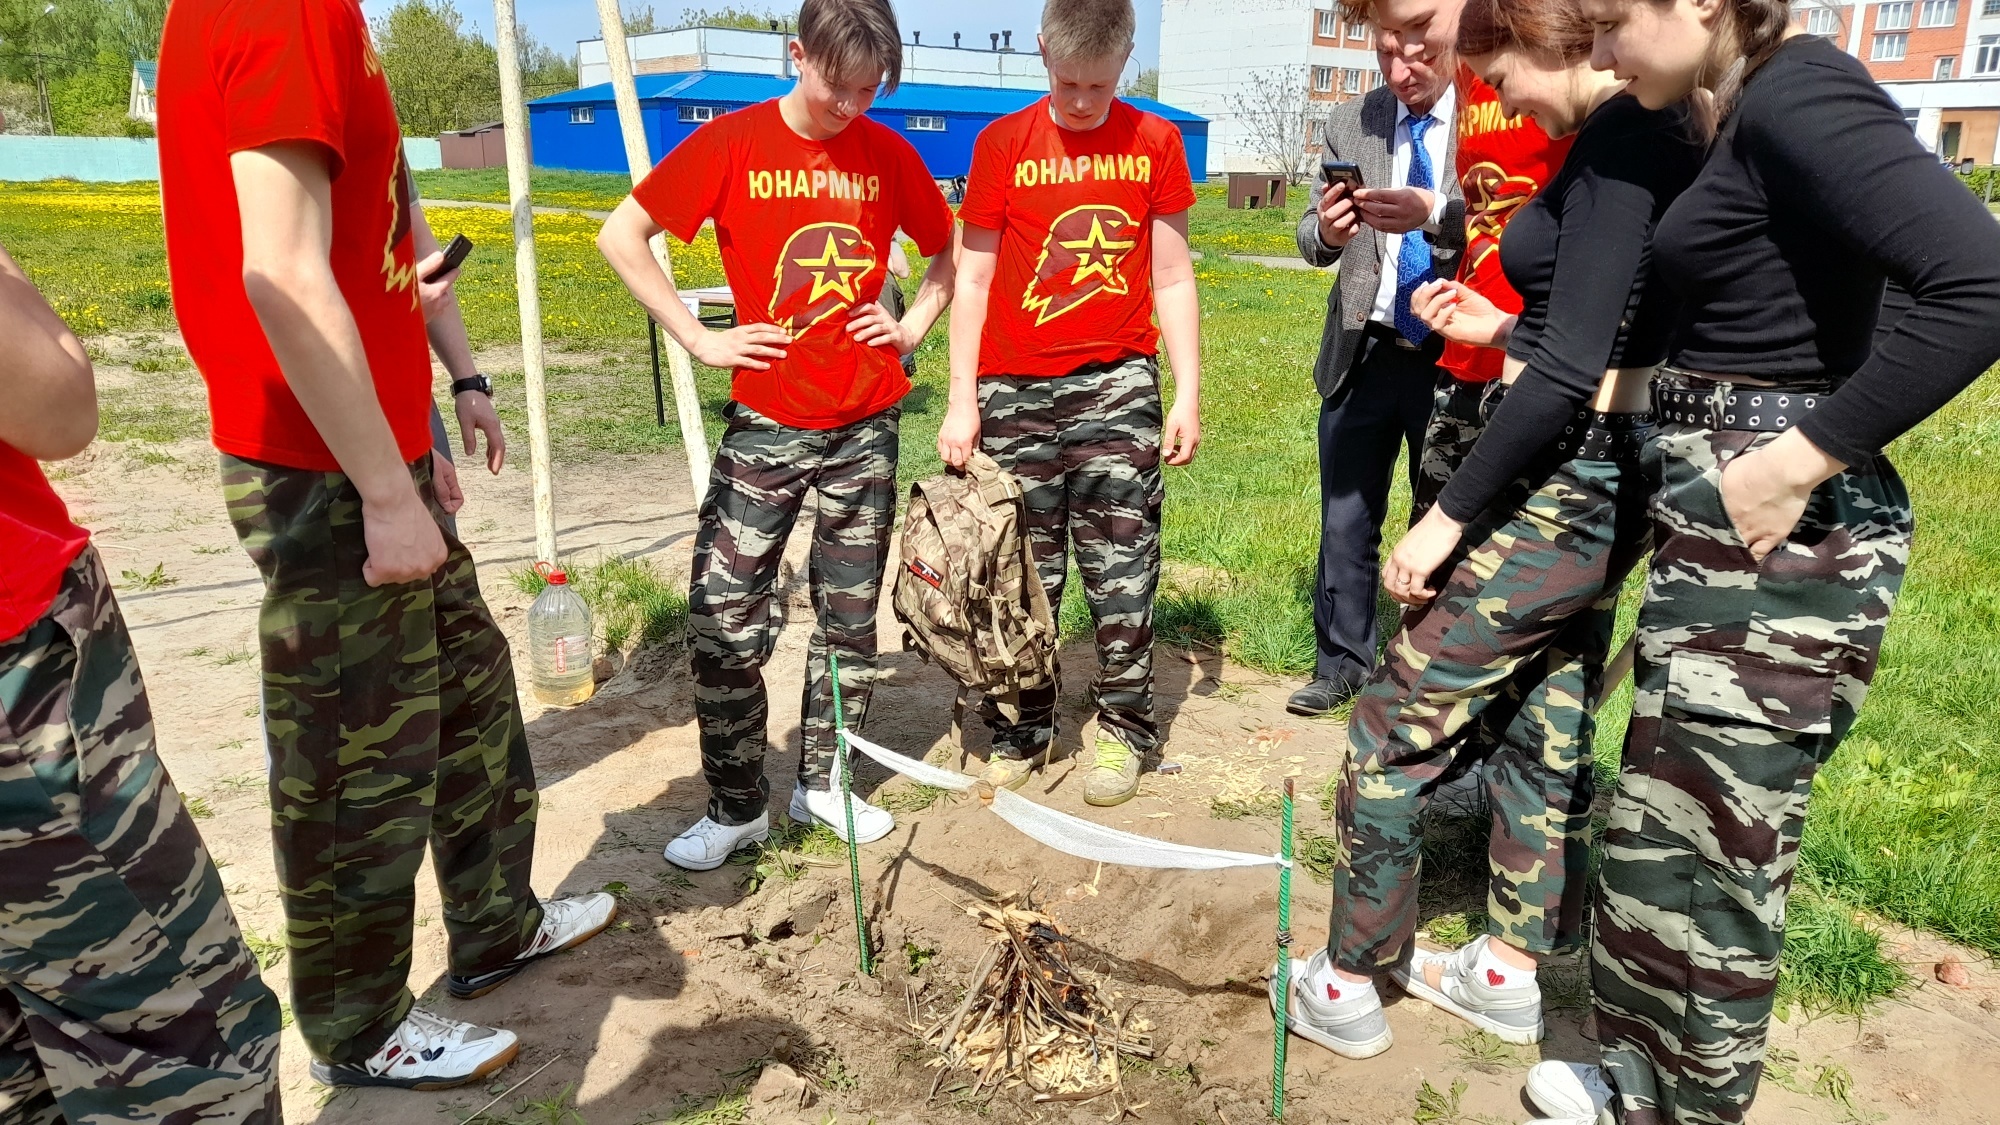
478,383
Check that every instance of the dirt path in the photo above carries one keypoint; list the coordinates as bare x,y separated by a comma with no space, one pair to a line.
674,1008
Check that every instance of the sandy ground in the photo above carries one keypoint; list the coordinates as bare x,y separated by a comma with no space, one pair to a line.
676,1006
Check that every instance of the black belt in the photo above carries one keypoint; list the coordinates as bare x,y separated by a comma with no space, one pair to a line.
1714,405
1593,436
1382,333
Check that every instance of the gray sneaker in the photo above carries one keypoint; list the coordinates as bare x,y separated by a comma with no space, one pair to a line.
1490,1001
1571,1093
1115,776
1350,1028
1003,772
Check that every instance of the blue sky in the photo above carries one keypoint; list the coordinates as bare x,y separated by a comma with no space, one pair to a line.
560,23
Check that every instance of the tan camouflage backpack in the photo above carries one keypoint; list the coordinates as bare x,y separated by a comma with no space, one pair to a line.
968,594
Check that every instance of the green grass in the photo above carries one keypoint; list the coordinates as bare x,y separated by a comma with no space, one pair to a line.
631,600
1215,229
590,191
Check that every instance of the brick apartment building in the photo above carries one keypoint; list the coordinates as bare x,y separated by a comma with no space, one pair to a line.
1940,59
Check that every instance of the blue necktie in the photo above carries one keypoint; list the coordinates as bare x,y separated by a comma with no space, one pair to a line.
1413,261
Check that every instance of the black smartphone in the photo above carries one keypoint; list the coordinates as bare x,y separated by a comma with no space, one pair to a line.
454,257
1341,171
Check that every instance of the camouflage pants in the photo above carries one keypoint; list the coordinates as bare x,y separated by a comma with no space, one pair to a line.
763,471
1086,447
391,723
126,991
1748,677
1514,644
1458,416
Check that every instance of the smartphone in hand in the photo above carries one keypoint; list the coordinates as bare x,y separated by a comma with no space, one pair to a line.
454,257
1341,171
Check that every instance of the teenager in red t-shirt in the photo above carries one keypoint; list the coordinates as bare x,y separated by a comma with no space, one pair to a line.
388,691
106,881
806,193
1075,230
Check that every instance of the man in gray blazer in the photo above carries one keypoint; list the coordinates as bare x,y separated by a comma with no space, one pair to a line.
1377,367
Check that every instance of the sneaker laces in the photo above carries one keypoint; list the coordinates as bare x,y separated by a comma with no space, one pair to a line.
428,1028
706,830
1112,755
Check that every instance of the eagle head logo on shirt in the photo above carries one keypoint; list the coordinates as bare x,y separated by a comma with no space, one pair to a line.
1080,259
819,274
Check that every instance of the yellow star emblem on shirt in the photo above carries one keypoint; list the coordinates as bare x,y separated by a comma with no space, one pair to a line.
1096,255
833,273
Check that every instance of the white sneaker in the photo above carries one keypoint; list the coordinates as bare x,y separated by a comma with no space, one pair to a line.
566,923
705,846
823,805
1353,1028
1490,1001
426,1052
1571,1092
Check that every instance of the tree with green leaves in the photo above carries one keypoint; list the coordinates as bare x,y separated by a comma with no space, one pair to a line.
732,16
1145,84
443,76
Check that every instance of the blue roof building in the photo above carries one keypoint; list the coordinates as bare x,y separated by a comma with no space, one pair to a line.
578,129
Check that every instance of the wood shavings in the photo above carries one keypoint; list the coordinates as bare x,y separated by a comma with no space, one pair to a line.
1029,1018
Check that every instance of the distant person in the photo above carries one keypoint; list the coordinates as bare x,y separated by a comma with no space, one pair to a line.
1377,372
126,990
807,192
1781,530
1514,575
389,705
1075,232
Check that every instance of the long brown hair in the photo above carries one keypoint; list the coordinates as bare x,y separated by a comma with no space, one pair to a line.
1756,29
1539,27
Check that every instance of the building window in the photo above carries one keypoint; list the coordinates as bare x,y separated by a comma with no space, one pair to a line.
582,114
1323,79
1350,81
1890,48
1938,13
1989,55
1992,8
1945,65
1328,26
1825,21
923,123
700,112
1356,30
1893,17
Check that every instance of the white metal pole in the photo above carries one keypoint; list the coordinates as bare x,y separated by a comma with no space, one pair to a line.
514,113
687,402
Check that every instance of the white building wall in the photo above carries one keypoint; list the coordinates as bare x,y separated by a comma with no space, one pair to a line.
1210,50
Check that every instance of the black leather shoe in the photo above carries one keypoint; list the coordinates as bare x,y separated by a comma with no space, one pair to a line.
1319,697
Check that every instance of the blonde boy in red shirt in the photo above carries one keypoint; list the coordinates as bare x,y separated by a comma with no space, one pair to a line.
1075,220
806,192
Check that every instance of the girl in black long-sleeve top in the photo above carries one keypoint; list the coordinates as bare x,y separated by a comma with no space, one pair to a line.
1548,515
1781,532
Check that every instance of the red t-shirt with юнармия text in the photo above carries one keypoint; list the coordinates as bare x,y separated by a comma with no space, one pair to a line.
1502,162
805,229
1074,281
237,75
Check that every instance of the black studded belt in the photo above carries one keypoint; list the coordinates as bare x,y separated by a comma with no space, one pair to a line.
1714,405
1591,436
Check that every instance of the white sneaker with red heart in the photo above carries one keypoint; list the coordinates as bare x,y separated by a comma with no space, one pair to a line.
1477,988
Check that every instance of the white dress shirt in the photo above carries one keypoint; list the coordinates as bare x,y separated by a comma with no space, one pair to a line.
1436,140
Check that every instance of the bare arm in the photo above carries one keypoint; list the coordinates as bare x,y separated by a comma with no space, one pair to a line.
51,394
285,196
624,243
445,325
979,250
1179,311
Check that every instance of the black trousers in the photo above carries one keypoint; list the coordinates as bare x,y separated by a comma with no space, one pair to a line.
1382,409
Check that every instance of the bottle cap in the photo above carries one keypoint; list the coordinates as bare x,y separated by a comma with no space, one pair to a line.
554,575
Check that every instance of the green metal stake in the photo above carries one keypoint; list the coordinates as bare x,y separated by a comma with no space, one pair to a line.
846,762
1284,957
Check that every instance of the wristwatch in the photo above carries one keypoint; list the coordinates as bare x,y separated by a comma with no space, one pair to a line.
478,383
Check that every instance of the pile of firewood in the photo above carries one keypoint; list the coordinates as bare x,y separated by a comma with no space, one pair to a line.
1029,1018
